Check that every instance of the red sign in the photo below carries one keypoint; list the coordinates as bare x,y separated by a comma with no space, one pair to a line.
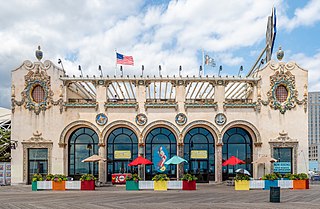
119,178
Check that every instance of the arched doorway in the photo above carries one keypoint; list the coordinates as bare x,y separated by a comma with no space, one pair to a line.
236,142
160,146
83,143
199,151
121,150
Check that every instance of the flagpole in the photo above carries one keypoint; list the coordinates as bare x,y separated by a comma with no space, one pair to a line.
115,69
203,60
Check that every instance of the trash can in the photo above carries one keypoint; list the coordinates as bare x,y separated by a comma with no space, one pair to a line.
274,194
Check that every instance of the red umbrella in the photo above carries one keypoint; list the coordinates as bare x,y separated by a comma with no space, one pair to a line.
140,161
233,161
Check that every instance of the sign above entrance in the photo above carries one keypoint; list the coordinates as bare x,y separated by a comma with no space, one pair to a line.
122,154
199,154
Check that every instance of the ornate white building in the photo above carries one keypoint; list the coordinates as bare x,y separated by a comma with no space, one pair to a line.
59,120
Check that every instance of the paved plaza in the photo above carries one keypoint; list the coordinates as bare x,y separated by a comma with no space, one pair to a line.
206,196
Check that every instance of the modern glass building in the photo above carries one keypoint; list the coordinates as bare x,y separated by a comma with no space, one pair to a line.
314,130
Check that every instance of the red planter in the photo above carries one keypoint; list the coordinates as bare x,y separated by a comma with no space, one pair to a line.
189,185
87,185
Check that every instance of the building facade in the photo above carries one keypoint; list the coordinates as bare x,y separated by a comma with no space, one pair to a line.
314,130
59,120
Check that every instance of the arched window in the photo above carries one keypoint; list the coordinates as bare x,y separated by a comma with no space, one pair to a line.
199,152
160,146
236,142
83,143
122,149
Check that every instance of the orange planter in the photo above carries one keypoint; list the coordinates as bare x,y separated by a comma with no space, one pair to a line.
59,186
301,184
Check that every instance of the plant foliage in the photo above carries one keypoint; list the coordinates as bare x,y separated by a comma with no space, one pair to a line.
189,177
37,177
134,177
160,177
242,177
87,177
271,176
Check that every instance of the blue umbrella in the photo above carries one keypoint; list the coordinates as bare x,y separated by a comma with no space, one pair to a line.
175,160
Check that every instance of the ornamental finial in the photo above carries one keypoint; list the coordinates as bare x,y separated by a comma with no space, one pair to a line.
39,53
280,54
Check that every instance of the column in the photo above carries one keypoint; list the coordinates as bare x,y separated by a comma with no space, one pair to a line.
102,164
218,162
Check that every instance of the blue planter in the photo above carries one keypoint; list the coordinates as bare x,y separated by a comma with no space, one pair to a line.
270,183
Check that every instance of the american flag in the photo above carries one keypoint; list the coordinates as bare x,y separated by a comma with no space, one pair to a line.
124,60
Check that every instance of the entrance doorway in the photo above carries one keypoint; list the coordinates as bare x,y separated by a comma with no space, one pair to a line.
199,168
37,162
199,152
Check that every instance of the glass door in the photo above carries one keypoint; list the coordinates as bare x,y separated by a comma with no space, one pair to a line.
199,168
37,162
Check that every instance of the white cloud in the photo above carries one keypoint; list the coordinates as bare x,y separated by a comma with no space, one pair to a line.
306,16
170,35
312,65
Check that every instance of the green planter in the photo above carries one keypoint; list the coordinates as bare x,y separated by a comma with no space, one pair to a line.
34,186
132,185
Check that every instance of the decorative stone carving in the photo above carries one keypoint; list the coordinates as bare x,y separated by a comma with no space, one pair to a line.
35,142
141,119
36,77
282,77
101,119
181,119
284,141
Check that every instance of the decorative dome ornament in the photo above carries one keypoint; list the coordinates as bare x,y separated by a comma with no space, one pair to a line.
39,53
280,54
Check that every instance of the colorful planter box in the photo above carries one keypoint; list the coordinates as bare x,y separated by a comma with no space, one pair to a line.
270,183
41,185
59,186
242,185
174,185
73,185
88,185
256,184
160,186
146,185
285,184
34,186
301,184
189,185
132,185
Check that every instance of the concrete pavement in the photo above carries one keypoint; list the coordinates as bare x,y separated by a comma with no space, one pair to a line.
206,196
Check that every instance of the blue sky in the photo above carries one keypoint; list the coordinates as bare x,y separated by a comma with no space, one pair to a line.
154,32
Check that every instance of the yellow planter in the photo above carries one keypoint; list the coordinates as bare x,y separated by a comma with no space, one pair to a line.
160,186
241,185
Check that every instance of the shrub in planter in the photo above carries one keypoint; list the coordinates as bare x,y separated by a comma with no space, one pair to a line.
242,182
88,182
271,180
189,182
59,182
35,179
160,182
132,182
300,181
